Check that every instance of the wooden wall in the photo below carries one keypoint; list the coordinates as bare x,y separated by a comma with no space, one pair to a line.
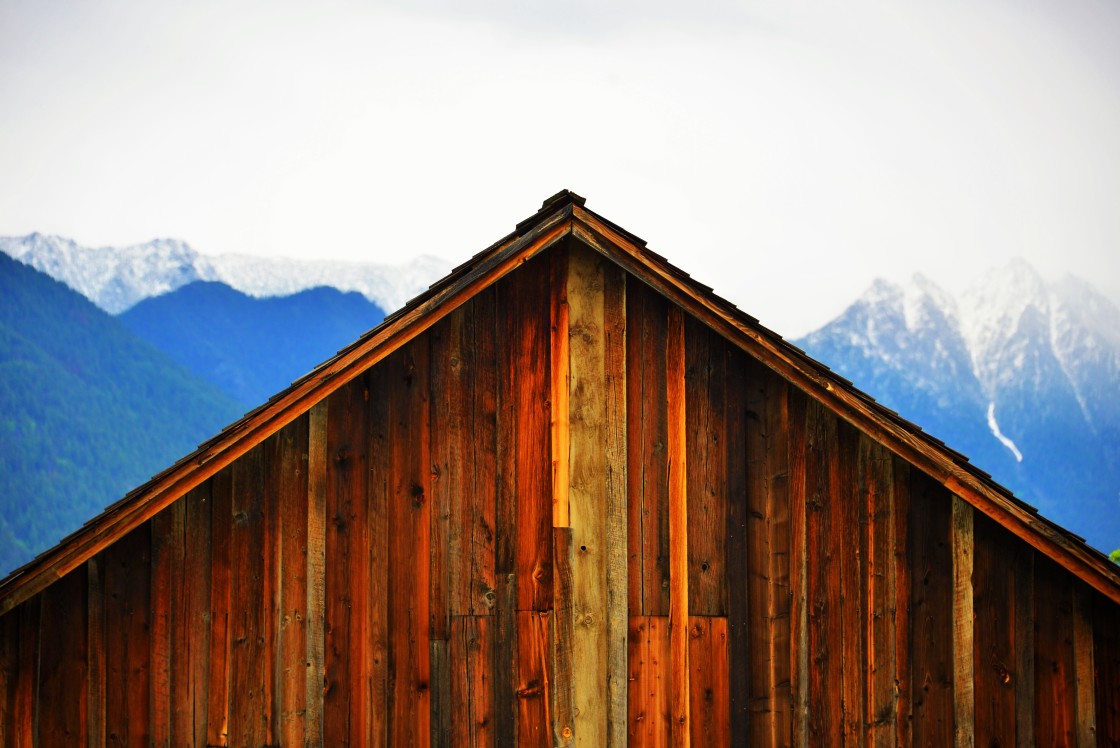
566,514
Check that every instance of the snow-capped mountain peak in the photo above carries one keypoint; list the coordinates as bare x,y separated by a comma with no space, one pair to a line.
116,278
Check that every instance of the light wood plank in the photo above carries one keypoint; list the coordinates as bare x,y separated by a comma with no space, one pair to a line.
559,423
964,705
316,569
678,529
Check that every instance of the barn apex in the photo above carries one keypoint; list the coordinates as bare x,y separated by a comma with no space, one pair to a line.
568,496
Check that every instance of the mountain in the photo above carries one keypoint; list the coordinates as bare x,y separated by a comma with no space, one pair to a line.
116,278
1021,375
89,411
250,348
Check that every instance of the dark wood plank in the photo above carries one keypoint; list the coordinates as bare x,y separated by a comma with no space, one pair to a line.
409,535
648,697
526,318
345,553
746,445
879,564
316,568
799,562
167,543
371,635
471,682
10,675
900,525
709,720
127,639
1055,685
705,398
506,571
768,572
1084,664
647,471
1022,560
994,587
1106,653
931,606
190,632
533,695
63,658
825,546
249,659
221,527
24,702
95,636
289,459
852,516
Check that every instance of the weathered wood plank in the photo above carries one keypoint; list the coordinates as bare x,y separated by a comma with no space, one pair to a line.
249,659
931,606
527,335
409,535
167,533
217,684
745,445
709,721
1023,564
533,690
291,692
95,636
562,622
994,588
127,639
1106,654
587,496
825,545
964,704
877,493
647,470
614,340
374,623
648,696
504,653
1055,676
900,527
471,681
768,572
1084,665
9,671
316,569
852,516
560,386
25,704
799,562
677,431
705,404
63,663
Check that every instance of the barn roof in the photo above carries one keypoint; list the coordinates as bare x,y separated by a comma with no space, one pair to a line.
565,215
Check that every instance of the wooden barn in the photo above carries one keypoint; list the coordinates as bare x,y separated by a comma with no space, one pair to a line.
568,496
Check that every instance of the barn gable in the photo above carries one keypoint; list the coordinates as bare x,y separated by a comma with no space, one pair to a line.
566,496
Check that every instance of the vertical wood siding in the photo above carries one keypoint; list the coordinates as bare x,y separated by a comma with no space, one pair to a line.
567,514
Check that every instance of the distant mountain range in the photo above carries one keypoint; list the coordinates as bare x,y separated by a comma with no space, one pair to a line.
116,278
87,411
251,348
1021,375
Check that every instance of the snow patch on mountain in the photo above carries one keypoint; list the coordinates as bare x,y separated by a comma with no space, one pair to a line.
994,426
116,278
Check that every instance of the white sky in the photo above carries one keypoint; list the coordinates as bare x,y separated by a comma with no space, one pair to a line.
785,153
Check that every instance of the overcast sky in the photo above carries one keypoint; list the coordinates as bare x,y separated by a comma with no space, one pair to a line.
785,153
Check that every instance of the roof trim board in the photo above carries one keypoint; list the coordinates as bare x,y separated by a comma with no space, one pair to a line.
562,215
